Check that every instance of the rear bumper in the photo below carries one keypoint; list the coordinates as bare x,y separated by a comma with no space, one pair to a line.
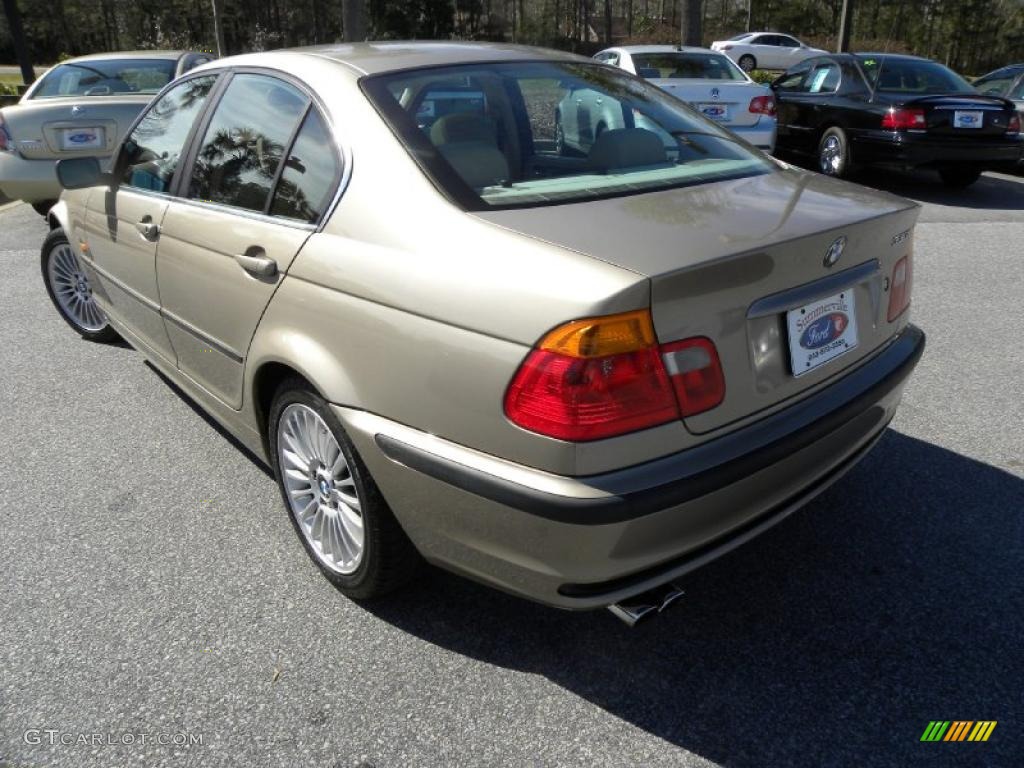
584,542
33,181
912,151
761,134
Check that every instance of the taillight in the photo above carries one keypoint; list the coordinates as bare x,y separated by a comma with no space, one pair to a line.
900,119
900,286
1014,125
763,105
6,141
604,376
696,374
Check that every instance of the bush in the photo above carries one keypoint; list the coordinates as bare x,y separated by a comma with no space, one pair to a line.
763,76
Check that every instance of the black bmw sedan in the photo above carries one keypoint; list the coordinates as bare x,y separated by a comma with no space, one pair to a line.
899,111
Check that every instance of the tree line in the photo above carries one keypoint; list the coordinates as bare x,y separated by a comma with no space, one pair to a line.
972,36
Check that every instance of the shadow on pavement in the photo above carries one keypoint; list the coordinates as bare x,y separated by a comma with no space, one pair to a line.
892,600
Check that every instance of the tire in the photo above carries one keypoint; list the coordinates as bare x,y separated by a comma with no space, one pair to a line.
747,63
959,178
386,559
70,291
834,153
43,208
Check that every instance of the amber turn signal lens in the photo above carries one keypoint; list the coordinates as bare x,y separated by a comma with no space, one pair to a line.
602,336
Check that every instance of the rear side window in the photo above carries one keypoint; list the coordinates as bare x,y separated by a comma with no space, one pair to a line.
105,78
309,173
244,144
793,80
824,79
152,152
996,85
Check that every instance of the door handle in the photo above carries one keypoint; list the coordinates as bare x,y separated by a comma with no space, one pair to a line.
148,229
256,262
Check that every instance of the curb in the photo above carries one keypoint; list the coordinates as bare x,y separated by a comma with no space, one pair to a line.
9,206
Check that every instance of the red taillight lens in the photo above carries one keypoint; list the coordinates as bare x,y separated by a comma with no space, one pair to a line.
589,398
899,119
763,105
696,374
606,376
900,286
1014,125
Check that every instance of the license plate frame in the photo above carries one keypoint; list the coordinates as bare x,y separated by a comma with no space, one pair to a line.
717,112
821,331
970,119
73,139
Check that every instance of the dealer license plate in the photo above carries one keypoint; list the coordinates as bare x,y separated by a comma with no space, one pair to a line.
821,331
83,138
963,118
714,111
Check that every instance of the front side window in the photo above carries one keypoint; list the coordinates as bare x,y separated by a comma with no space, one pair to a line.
105,77
793,81
1017,94
824,78
911,76
244,144
559,132
995,85
151,153
686,66
309,173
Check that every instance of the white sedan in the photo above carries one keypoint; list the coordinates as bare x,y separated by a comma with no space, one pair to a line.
708,81
765,50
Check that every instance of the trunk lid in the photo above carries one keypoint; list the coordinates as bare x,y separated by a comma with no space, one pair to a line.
729,260
961,116
68,127
724,102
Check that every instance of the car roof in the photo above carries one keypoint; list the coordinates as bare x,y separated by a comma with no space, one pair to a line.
661,49
130,55
377,57
882,55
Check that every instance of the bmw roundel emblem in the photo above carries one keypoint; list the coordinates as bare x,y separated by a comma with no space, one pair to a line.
835,251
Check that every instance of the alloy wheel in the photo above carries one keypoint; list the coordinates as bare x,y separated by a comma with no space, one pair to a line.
830,157
72,290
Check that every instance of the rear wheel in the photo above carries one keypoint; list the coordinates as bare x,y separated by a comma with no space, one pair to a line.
335,506
834,153
70,290
959,178
747,63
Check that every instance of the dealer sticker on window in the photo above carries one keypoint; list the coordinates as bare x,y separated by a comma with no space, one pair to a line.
821,331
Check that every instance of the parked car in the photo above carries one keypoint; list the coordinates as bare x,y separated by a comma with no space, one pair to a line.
1007,83
898,111
572,378
765,50
709,81
81,107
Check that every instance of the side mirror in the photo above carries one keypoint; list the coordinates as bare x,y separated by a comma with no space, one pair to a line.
79,172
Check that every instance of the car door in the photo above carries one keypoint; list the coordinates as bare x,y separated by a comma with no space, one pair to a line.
122,223
789,50
816,103
766,51
789,89
262,168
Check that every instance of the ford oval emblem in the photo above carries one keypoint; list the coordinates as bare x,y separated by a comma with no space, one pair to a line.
824,330
714,93
835,251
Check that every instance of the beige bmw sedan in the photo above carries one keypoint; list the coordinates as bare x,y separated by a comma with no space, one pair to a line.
573,376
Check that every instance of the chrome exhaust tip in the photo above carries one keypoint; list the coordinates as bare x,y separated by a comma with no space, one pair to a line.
646,604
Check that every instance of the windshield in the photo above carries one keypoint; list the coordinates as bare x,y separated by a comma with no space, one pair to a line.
534,133
912,77
106,77
686,66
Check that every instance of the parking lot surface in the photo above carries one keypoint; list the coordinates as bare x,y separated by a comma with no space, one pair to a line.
152,584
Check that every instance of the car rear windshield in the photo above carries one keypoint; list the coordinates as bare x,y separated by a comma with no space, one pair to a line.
105,78
912,77
521,134
690,66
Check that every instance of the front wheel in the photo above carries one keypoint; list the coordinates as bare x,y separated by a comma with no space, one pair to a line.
959,178
335,506
70,290
834,153
747,63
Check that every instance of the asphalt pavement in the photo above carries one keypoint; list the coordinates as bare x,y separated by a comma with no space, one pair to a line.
152,588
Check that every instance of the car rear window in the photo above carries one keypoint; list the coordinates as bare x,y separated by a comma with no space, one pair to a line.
105,78
541,133
912,77
687,66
